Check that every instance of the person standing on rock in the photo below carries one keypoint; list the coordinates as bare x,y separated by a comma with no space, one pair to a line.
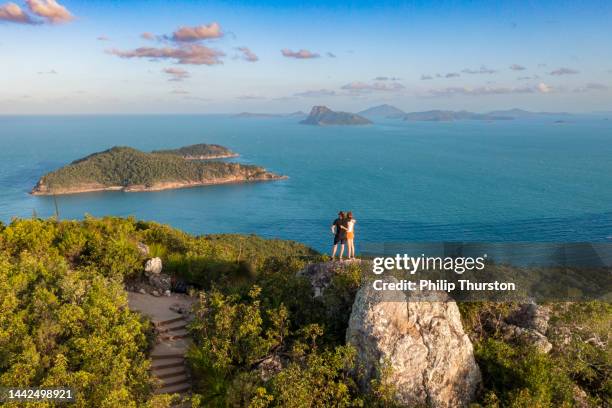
339,235
349,226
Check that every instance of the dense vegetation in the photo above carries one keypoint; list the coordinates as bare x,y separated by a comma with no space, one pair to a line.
125,166
261,340
200,151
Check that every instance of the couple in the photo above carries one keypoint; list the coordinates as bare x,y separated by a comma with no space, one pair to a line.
343,229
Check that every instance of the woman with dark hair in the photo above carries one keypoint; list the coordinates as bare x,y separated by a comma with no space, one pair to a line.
350,234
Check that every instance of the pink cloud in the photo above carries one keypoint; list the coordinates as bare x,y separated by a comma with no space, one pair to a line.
192,54
13,13
177,74
301,54
248,55
50,10
147,36
203,32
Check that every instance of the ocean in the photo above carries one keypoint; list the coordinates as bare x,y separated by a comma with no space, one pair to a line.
524,180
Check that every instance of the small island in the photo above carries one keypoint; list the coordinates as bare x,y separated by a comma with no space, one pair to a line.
447,116
200,151
128,169
323,116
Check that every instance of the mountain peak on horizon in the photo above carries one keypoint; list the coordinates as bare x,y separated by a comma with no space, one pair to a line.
384,110
321,115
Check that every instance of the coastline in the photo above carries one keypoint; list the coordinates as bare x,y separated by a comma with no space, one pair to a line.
159,186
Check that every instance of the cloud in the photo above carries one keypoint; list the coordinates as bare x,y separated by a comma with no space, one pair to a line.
301,54
362,87
563,71
248,55
250,97
486,90
452,75
203,32
50,10
316,93
193,54
148,36
543,88
426,77
481,70
386,78
331,55
517,67
51,72
176,74
102,38
592,86
11,12
180,92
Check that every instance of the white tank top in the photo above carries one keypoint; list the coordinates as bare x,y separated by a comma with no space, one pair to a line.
351,225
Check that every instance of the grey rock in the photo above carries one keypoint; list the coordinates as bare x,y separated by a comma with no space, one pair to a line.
531,316
161,282
321,274
269,367
167,293
141,290
143,249
421,339
529,337
153,266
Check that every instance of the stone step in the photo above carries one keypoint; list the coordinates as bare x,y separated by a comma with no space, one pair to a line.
162,364
179,379
169,321
175,334
168,372
173,389
166,356
167,328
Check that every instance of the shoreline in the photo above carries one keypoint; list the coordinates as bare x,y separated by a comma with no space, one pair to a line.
161,186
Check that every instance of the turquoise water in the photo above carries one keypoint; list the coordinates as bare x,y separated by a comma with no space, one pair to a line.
465,181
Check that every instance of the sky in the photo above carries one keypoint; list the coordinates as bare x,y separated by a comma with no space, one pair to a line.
133,57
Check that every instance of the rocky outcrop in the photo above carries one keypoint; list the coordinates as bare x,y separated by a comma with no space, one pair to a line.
160,282
420,338
321,274
528,325
322,116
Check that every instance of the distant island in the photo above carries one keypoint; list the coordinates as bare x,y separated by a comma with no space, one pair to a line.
200,151
128,169
382,111
391,112
442,116
323,116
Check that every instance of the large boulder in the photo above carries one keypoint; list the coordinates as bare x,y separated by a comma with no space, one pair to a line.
419,338
153,266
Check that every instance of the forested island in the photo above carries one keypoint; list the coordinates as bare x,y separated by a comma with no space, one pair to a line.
128,169
200,151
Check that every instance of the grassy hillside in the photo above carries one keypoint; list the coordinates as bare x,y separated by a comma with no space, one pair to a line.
64,321
125,167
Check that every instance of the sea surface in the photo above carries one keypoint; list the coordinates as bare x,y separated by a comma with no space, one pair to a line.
468,181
